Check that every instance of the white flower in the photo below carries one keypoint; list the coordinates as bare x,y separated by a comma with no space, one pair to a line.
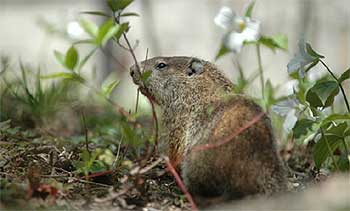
74,29
225,17
290,121
240,29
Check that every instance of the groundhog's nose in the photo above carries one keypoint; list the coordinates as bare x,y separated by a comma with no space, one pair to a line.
132,70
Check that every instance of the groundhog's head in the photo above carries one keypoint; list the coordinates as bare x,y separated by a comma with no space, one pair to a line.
185,79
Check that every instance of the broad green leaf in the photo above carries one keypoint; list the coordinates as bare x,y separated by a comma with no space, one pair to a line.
107,90
64,75
106,32
223,51
60,58
89,27
116,5
344,76
145,75
324,148
275,42
302,127
312,52
97,13
338,130
249,10
322,93
130,14
124,27
72,58
335,117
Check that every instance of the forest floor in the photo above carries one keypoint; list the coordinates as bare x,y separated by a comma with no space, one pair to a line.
39,171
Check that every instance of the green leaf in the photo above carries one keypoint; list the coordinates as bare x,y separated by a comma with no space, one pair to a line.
344,162
269,94
106,32
72,58
86,58
335,117
344,76
64,75
97,13
249,10
323,150
302,127
130,14
116,5
89,27
60,58
312,52
124,27
145,75
131,135
86,41
107,90
338,130
223,51
275,42
322,94
281,41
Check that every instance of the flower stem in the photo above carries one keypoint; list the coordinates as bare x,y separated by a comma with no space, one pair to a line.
261,71
339,84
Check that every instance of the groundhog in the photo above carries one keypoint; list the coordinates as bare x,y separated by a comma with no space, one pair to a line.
200,110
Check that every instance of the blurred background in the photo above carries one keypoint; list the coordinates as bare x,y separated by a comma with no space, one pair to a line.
32,29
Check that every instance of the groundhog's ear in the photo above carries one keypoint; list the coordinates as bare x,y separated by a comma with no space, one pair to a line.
195,67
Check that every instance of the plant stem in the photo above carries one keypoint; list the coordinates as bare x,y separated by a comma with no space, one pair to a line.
329,149
86,132
261,71
339,84
346,150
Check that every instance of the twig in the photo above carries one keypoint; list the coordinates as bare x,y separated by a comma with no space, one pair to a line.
137,100
151,166
180,183
230,137
138,69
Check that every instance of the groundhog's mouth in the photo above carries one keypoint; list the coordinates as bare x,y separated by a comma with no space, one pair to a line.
148,94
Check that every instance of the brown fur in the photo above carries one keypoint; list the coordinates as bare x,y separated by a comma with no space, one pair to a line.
200,109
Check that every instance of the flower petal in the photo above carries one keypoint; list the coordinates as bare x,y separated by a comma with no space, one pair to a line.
252,30
225,17
290,121
234,41
300,60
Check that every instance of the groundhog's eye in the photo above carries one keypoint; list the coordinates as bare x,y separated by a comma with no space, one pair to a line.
161,66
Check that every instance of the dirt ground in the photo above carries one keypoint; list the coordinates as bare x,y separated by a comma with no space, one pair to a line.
38,171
